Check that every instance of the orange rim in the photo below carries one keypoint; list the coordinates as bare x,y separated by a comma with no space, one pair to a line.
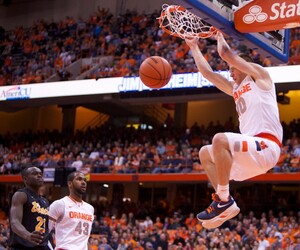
163,14
212,31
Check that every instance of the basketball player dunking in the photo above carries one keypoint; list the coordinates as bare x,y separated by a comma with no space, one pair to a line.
234,156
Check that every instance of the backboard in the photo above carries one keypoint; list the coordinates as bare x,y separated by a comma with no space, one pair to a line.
273,45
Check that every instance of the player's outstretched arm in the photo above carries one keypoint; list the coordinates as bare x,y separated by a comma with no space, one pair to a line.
257,72
204,68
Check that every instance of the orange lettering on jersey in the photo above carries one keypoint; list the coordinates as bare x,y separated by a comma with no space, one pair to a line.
78,215
36,208
237,94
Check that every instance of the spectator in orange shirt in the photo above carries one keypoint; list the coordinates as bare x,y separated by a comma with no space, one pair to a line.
124,70
158,224
2,215
287,243
131,61
113,223
107,218
58,63
2,80
170,148
179,53
93,243
138,246
8,61
191,221
27,46
123,219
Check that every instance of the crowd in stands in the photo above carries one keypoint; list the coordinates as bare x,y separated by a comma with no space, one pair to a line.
33,54
178,231
186,233
128,150
122,226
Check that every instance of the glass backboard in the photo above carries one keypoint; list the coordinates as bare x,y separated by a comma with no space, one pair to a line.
273,45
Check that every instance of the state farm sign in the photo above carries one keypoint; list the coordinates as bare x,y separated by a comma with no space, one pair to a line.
266,15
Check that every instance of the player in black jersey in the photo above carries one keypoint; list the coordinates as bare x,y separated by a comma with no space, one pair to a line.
29,214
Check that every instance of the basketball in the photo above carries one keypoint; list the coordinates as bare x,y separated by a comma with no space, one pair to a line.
155,72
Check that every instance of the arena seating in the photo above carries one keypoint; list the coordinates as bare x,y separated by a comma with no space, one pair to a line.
35,54
162,150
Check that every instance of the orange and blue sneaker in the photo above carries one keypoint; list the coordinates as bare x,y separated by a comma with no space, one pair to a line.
218,212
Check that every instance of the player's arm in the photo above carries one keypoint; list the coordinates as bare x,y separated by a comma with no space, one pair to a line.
16,212
52,212
51,223
257,72
56,211
204,68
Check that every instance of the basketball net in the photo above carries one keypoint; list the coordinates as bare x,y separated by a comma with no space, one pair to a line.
178,21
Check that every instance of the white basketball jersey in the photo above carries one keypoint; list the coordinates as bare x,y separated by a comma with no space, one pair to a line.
73,223
257,109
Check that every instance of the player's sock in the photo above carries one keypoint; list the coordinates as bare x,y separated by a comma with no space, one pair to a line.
223,192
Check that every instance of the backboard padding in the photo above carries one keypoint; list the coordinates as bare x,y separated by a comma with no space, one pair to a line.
272,45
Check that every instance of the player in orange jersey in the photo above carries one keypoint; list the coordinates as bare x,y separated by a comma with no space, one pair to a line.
254,151
72,217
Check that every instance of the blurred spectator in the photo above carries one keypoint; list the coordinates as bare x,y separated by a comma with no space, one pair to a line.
104,245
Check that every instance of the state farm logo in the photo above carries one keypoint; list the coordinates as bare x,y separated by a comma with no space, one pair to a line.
255,14
264,15
277,11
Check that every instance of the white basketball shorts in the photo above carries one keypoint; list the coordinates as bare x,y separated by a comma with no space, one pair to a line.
251,156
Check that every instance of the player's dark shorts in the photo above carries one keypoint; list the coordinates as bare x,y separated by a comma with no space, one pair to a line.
30,248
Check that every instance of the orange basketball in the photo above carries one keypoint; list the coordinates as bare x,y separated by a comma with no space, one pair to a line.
155,72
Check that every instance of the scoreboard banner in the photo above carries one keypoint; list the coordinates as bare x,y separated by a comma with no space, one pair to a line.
279,74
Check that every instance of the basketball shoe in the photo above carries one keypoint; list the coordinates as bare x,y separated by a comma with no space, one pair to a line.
218,212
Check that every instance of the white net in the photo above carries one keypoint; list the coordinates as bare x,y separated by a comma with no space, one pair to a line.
178,21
